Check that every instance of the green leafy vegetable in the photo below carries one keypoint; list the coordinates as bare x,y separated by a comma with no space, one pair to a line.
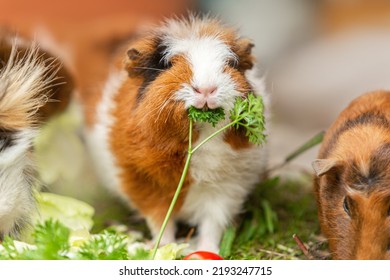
210,116
73,213
105,246
50,240
53,241
170,251
11,250
249,113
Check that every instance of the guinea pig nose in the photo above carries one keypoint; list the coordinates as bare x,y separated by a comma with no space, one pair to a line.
205,90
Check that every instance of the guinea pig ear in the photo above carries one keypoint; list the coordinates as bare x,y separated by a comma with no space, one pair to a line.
322,166
245,46
133,54
134,61
145,57
244,52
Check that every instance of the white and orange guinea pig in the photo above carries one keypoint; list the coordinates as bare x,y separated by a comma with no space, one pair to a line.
137,132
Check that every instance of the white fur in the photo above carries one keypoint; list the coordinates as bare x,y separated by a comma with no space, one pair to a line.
207,57
16,185
97,136
222,180
169,233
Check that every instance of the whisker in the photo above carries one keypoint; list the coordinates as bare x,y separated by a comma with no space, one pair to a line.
166,120
160,108
156,69
148,68
163,106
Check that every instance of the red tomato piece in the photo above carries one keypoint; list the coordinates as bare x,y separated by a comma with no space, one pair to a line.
202,255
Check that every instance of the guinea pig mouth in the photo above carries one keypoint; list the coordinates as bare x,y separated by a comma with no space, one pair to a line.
205,108
206,105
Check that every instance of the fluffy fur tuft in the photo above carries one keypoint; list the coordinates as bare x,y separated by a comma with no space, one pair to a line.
22,82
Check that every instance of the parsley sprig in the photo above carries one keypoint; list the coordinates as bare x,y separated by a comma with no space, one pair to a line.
249,113
52,242
211,116
105,246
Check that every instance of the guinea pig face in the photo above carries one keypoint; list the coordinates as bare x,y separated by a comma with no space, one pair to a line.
197,62
354,208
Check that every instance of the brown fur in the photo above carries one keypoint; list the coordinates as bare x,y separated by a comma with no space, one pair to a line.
358,145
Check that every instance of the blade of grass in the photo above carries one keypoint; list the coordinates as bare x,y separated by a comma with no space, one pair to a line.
227,242
269,216
315,140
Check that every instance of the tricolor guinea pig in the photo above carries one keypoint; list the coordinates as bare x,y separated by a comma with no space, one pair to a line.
138,132
29,79
353,183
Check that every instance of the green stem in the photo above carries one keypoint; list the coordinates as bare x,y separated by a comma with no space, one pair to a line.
175,197
212,135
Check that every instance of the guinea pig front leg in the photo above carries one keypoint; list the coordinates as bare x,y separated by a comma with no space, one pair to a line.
155,224
210,232
212,206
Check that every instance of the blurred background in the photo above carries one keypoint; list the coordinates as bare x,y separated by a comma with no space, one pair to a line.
317,55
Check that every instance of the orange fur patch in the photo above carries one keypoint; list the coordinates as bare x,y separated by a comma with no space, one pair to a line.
152,163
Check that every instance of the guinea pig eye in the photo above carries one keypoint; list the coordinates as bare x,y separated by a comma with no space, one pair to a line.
346,206
166,65
233,63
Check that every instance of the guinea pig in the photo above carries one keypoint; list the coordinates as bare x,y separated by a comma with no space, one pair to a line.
138,131
352,186
29,79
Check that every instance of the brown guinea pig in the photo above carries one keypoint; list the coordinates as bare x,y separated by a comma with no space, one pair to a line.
139,134
29,79
353,183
